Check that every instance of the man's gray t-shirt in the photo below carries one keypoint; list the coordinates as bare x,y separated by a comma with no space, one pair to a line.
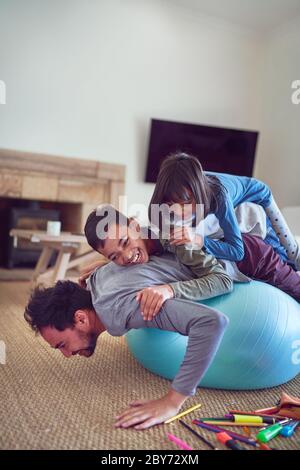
114,290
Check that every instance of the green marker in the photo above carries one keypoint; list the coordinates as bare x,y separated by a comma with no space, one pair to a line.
265,435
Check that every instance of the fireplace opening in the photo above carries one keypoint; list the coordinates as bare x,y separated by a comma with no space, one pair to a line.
32,215
27,216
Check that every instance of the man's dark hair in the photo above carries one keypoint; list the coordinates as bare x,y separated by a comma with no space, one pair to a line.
55,306
104,215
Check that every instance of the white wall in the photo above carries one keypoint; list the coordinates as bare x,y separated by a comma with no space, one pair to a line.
84,77
278,160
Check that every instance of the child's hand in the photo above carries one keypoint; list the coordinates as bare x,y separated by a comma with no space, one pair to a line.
143,414
185,236
87,271
151,300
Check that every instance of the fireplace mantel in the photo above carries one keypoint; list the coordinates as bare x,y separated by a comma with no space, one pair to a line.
43,177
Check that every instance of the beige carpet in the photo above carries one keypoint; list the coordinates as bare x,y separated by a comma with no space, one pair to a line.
50,402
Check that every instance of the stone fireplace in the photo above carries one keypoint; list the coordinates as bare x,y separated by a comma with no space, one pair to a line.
71,187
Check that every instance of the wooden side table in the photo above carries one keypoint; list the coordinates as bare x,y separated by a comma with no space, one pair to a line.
65,244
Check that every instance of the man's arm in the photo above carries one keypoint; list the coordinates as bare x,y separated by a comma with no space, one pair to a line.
205,328
210,279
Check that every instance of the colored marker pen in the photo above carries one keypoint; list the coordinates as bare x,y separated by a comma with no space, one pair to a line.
183,445
227,440
238,418
203,439
289,428
265,435
233,435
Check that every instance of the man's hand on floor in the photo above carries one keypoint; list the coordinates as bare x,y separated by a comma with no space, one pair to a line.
143,414
152,298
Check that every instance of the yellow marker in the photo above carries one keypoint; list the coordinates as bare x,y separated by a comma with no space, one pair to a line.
248,419
230,423
182,414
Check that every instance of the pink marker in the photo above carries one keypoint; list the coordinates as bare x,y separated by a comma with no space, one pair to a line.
183,445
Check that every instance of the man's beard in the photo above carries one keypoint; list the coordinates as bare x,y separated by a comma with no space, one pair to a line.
90,349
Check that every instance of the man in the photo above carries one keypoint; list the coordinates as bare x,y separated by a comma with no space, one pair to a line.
71,318
66,318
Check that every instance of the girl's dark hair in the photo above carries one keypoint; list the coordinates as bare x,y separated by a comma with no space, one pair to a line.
55,306
181,175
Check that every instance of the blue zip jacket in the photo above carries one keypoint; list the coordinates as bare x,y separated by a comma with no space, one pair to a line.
239,189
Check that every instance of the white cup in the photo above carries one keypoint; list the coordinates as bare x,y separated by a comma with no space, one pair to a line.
53,228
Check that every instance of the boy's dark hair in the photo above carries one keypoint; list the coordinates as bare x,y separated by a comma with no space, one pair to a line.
103,215
180,175
55,306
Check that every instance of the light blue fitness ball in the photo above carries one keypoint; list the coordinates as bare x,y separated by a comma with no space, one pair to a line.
260,347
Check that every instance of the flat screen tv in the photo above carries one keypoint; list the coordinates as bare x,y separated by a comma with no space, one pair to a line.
219,149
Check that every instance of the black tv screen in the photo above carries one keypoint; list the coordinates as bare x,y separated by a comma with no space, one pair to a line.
219,149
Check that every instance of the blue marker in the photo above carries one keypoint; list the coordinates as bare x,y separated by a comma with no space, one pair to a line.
288,430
